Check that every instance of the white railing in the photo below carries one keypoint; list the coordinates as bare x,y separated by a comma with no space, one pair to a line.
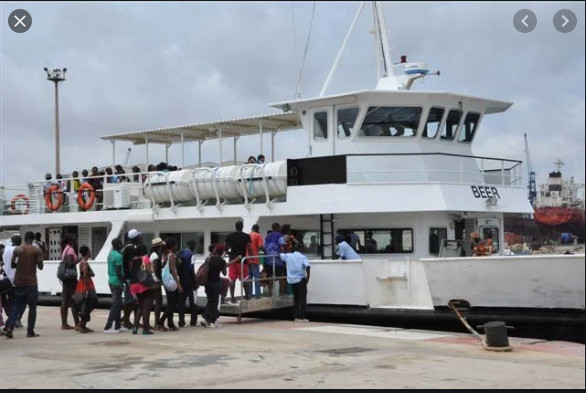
420,168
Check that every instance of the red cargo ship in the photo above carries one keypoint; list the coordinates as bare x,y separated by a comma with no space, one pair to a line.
558,209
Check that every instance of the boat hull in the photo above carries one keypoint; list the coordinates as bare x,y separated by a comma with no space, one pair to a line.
555,220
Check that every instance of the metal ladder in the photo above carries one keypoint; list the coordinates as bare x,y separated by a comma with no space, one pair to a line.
326,235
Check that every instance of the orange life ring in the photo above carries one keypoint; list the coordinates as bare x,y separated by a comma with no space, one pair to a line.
54,189
13,204
86,205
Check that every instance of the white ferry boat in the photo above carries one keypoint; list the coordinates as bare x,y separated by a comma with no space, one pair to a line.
392,165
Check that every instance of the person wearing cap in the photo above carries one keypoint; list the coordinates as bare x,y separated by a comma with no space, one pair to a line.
128,253
344,250
155,254
297,276
115,281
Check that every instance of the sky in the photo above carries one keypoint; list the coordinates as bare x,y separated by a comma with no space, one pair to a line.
135,66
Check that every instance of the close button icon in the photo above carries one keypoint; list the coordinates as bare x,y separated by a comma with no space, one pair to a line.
20,21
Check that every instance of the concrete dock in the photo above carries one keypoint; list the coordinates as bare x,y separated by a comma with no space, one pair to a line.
278,354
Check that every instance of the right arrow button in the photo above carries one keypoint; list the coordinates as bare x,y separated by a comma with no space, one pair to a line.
565,21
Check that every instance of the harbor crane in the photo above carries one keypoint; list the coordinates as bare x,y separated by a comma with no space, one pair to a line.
531,186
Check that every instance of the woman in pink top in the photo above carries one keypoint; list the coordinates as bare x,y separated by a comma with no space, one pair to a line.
70,257
142,292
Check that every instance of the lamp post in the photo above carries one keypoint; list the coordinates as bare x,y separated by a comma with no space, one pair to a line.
56,75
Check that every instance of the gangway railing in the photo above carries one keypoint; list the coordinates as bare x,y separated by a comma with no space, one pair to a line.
275,300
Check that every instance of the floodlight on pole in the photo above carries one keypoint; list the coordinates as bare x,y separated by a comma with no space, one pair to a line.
56,75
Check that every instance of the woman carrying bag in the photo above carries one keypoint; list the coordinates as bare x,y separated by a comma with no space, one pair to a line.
141,281
85,291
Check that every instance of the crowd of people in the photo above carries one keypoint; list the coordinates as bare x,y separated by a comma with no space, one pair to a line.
137,275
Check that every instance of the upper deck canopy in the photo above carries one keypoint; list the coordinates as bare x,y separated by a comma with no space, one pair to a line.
211,130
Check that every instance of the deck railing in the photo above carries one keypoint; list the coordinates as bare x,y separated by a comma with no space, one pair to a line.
362,169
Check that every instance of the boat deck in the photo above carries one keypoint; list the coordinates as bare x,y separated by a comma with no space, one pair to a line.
278,354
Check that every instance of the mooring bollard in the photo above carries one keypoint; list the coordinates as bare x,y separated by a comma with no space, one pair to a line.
496,337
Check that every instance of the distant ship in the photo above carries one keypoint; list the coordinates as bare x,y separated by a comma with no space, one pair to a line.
559,212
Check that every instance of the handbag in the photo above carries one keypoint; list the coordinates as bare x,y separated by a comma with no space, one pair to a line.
168,280
202,274
65,272
5,284
145,278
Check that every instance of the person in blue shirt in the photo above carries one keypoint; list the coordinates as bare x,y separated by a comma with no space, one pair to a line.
344,250
297,276
187,278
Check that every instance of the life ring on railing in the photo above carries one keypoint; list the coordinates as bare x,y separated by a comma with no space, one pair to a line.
54,189
87,204
13,204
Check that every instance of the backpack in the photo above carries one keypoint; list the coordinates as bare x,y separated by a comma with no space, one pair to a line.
168,280
202,274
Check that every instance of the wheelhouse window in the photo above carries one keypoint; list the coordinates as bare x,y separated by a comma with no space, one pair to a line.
391,121
433,123
320,125
436,236
346,121
384,241
469,127
452,122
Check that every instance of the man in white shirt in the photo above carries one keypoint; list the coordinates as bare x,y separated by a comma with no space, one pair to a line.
8,298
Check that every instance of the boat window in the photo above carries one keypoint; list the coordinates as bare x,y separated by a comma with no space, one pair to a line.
436,235
320,125
183,237
391,121
197,237
432,125
346,121
449,131
99,236
147,238
384,241
219,237
469,127
308,241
